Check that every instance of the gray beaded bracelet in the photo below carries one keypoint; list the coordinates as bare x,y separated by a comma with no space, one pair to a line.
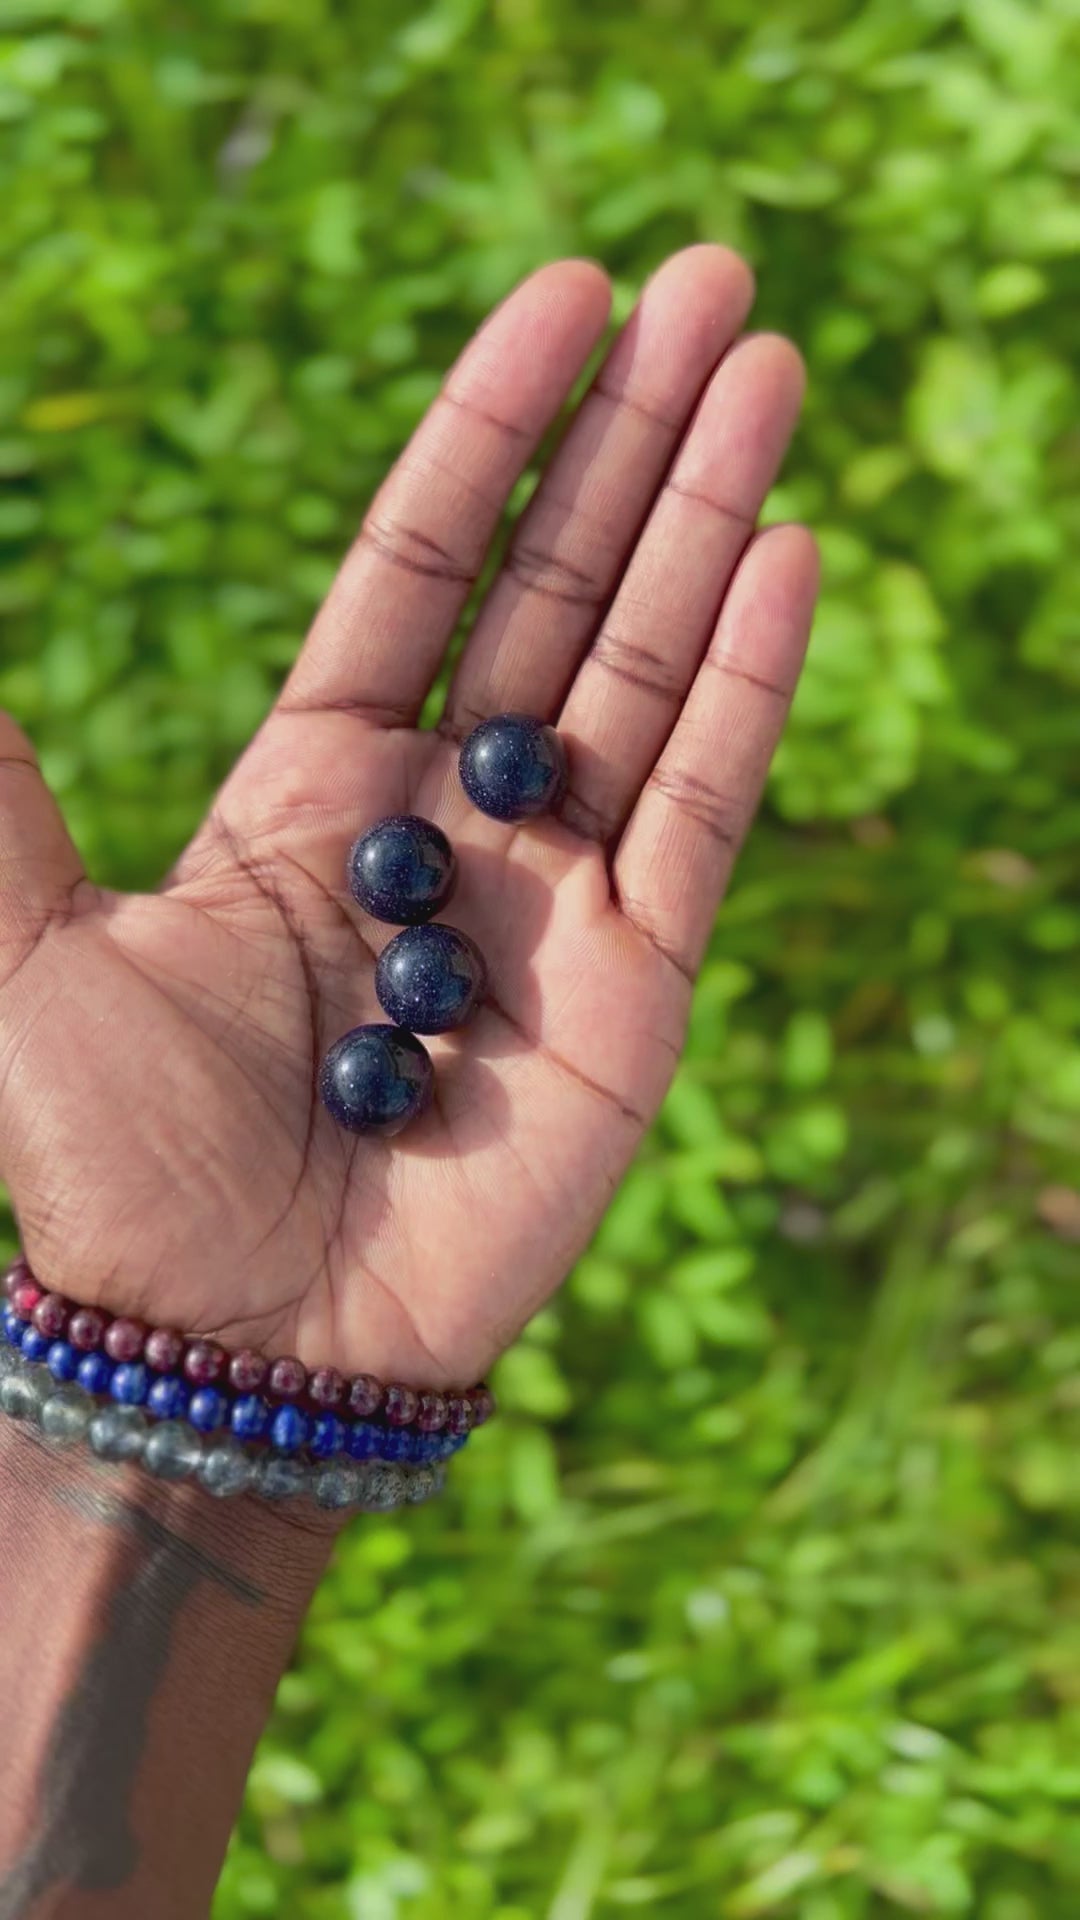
171,1450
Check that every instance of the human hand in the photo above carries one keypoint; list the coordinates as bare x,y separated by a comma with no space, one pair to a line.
160,1130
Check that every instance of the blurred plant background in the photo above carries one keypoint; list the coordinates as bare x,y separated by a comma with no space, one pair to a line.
763,1598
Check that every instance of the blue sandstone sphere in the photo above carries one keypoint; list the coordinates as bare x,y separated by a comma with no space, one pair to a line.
430,979
513,767
402,870
376,1079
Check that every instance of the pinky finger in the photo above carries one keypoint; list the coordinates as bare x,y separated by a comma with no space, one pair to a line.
675,857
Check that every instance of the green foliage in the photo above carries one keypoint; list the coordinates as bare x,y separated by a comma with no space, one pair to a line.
763,1597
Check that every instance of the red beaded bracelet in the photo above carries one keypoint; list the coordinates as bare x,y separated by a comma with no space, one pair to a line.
205,1363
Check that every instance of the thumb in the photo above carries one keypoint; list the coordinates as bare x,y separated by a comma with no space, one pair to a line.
39,867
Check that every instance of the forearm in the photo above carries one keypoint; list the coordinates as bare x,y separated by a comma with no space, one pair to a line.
145,1628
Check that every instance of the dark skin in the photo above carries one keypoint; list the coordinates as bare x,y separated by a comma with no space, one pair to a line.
159,1127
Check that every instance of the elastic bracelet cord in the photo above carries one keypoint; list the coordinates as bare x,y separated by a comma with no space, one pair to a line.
68,1415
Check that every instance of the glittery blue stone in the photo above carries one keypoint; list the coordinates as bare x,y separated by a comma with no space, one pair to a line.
327,1436
129,1383
398,1444
94,1372
362,1440
513,767
289,1429
168,1397
207,1409
62,1360
34,1345
427,1447
402,869
376,1079
250,1416
12,1326
430,979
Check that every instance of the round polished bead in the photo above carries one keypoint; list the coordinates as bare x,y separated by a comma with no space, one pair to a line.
248,1370
225,1470
26,1297
62,1360
430,979
401,1406
9,1362
431,1412
249,1417
399,1443
280,1477
130,1383
12,1326
287,1379
34,1345
482,1401
289,1429
94,1372
365,1395
172,1451
338,1486
124,1339
327,1436
375,1079
16,1275
362,1440
86,1329
204,1362
428,1446
513,767
459,1413
21,1396
51,1315
164,1351
423,1484
207,1409
402,870
385,1488
168,1397
118,1433
326,1388
66,1415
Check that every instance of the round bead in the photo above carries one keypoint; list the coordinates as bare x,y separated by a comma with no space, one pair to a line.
362,1440
16,1275
288,1429
94,1372
225,1470
9,1362
288,1378
513,767
168,1397
423,1484
376,1079
402,1404
250,1416
402,870
248,1370
399,1443
118,1433
124,1340
86,1329
327,1436
12,1325
430,979
385,1489
207,1409
26,1297
62,1360
34,1345
431,1412
338,1486
204,1362
365,1395
51,1315
172,1451
130,1383
21,1395
459,1413
66,1415
483,1405
280,1477
164,1351
326,1388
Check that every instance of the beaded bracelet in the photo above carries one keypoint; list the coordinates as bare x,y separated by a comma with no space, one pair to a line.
67,1414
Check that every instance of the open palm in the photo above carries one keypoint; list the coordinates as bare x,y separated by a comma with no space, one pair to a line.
159,1125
